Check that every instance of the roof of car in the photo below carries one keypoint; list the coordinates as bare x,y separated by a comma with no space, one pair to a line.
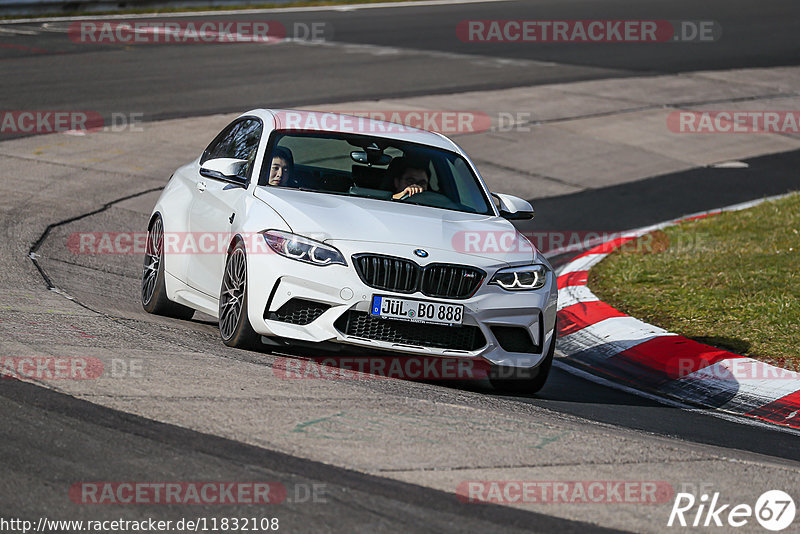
324,121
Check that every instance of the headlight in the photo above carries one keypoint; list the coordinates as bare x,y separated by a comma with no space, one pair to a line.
526,278
302,248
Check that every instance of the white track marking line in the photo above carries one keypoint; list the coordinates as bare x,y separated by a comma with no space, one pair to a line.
380,50
660,226
15,31
342,7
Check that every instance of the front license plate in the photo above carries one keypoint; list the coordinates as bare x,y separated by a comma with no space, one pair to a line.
417,310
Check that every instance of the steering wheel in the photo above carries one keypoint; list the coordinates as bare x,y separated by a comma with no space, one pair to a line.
431,198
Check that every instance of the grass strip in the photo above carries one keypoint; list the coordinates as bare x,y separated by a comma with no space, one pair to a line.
731,280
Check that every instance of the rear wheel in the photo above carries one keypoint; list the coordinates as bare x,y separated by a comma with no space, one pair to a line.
234,324
504,379
154,290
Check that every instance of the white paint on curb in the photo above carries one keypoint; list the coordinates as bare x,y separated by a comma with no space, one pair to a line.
721,380
735,385
583,263
574,294
611,336
561,363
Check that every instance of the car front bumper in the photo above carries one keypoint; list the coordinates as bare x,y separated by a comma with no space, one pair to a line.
491,313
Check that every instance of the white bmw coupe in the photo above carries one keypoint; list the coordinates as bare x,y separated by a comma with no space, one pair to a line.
309,227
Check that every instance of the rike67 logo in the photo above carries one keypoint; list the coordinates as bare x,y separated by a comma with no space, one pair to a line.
774,510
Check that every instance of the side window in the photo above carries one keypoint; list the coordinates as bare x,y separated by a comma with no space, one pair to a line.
245,143
220,145
238,141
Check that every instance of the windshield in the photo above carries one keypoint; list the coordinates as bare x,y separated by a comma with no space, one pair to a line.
373,167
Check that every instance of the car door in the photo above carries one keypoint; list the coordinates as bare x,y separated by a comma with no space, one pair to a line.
214,206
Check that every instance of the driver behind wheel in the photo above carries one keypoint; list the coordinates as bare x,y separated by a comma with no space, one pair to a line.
409,176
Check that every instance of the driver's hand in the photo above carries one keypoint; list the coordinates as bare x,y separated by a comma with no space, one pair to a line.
408,191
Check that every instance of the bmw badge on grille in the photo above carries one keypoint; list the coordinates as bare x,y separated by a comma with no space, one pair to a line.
421,253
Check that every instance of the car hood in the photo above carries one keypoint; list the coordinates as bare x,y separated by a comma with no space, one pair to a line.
330,217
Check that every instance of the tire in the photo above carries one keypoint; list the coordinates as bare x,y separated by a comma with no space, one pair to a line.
500,380
154,291
234,324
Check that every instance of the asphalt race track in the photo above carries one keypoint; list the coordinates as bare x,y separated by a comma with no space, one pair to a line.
393,458
389,52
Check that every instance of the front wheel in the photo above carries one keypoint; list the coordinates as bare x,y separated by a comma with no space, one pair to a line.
234,324
500,379
154,290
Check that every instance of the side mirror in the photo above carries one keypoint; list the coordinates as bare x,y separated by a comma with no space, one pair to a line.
225,169
513,208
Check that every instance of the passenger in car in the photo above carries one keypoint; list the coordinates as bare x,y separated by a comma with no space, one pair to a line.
408,176
281,167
